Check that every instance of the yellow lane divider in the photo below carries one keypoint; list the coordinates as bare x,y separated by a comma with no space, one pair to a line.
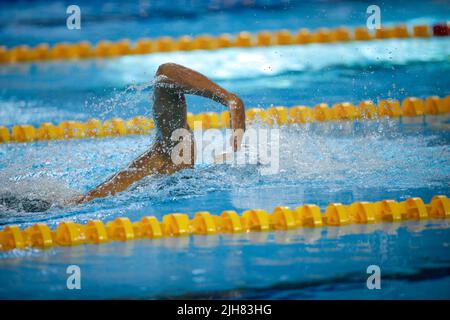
204,223
105,49
409,107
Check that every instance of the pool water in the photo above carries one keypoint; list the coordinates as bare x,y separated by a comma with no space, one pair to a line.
319,163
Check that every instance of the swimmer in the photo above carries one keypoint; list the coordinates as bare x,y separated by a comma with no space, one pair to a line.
26,203
172,82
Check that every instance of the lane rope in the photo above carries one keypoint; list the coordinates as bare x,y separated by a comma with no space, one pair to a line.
365,110
244,39
282,218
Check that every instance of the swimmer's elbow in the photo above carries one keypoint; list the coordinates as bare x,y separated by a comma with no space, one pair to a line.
166,69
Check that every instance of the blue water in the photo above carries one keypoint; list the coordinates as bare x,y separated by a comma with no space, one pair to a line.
319,163
302,264
33,22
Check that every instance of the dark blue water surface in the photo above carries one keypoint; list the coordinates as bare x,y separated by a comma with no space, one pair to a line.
34,22
318,163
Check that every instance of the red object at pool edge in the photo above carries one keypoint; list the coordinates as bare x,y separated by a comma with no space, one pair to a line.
441,29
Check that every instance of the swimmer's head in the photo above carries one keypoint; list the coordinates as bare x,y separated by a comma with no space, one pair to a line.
22,204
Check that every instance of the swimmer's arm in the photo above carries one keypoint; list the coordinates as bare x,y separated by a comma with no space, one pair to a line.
141,167
188,81
117,183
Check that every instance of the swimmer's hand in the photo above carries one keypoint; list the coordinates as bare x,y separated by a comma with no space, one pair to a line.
78,200
237,112
223,157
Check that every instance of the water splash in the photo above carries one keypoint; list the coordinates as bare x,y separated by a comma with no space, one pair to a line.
330,157
31,194
121,102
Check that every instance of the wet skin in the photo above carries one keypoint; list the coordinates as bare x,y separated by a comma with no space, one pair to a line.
172,83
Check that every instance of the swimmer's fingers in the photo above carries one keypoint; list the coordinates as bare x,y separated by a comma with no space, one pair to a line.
77,200
236,139
237,112
222,158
